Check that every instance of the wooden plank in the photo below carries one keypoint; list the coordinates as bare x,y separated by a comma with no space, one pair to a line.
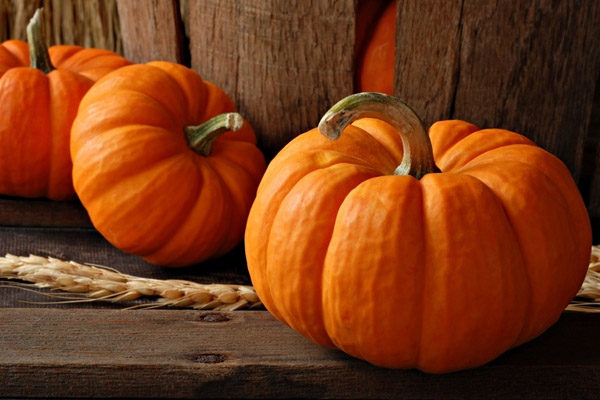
42,213
248,354
151,30
531,67
526,66
282,65
427,56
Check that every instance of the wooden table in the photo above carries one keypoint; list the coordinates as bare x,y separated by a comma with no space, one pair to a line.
99,350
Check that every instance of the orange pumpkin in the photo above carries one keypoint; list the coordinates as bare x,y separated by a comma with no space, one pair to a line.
375,69
152,170
37,108
361,243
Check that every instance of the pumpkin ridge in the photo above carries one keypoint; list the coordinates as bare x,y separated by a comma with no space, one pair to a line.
452,155
349,176
19,49
125,207
530,267
518,241
232,197
90,54
168,121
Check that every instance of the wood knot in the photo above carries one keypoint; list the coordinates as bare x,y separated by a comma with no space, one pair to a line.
213,317
210,358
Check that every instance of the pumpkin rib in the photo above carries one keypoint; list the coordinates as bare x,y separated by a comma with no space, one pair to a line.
534,259
127,208
474,260
19,49
156,116
286,178
465,150
240,203
203,238
246,155
318,190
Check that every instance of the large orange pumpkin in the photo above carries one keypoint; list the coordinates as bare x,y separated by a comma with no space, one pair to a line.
155,183
37,108
362,246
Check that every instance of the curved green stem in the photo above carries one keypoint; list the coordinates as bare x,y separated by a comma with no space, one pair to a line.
201,137
38,51
418,155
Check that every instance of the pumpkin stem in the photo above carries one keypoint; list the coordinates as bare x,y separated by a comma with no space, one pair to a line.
38,51
418,154
201,137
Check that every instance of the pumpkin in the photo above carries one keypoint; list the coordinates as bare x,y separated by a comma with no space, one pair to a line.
158,167
37,106
375,67
434,252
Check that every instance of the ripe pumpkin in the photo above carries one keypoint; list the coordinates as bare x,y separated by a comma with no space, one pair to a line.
37,107
375,69
152,170
411,266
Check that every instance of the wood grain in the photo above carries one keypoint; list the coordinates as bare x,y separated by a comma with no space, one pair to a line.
248,354
427,56
151,30
283,63
526,66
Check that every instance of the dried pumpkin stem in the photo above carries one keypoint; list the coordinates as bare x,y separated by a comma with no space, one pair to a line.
418,155
38,51
201,137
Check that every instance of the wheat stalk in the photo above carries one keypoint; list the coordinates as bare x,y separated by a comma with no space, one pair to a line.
94,283
590,289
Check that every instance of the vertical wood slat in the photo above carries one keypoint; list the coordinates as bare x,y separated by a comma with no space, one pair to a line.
151,30
283,63
525,66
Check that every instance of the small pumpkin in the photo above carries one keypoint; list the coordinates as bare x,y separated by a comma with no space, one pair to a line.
375,67
38,102
361,243
158,167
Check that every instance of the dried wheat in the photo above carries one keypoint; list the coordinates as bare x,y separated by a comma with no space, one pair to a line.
99,283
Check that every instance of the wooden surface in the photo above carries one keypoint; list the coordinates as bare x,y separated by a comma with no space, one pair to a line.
248,354
284,66
152,30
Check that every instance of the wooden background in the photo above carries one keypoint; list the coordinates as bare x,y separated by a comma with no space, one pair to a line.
528,66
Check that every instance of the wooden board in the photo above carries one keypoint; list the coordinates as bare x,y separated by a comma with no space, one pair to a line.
284,66
248,354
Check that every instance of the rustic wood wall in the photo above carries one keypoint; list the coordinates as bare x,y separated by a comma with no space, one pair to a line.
530,66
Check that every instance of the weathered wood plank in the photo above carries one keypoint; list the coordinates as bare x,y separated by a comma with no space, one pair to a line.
151,30
42,213
427,56
283,64
248,354
531,67
526,66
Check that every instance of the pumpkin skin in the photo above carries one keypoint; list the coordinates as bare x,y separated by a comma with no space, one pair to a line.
144,188
36,113
375,69
440,274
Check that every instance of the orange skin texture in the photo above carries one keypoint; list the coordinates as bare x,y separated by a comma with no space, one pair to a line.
440,274
144,188
36,113
375,69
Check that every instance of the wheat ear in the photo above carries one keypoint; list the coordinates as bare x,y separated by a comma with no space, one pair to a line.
590,289
101,283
